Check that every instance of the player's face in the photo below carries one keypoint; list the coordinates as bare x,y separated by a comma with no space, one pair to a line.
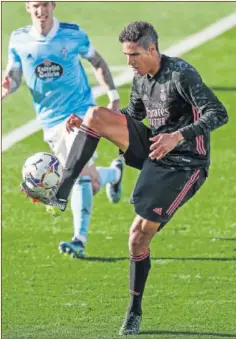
41,14
142,61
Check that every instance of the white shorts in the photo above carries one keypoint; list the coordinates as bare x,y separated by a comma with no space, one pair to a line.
60,142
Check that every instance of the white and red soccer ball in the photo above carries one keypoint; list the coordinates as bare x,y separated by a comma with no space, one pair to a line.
42,171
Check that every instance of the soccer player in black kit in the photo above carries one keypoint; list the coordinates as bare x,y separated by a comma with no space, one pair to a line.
173,155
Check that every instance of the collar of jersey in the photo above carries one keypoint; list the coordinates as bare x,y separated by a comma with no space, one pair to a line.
50,34
150,79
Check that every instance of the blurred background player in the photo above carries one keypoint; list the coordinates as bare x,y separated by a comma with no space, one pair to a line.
46,54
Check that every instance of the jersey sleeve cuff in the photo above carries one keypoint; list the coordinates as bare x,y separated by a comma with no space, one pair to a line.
187,133
90,53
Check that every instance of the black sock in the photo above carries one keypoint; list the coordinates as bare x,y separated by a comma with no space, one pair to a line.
81,151
139,269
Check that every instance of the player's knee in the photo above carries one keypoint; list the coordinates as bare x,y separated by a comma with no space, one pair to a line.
94,115
134,243
95,185
141,234
149,227
136,240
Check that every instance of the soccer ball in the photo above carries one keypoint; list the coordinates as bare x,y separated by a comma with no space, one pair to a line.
42,172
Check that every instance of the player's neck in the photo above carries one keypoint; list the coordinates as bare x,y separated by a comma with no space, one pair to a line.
156,66
44,30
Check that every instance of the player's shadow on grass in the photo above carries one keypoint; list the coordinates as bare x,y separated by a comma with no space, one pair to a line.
102,259
174,333
223,88
226,239
109,259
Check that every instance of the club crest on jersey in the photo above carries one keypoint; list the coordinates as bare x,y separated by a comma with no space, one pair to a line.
64,53
145,98
162,94
48,70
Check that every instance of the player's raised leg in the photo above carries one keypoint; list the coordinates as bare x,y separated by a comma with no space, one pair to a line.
98,122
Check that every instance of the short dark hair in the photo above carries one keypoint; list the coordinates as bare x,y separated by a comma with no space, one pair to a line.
140,32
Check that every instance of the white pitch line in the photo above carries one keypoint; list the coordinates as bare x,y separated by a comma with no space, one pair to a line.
89,70
115,69
184,46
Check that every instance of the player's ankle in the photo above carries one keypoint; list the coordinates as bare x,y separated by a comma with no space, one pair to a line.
80,238
118,175
135,310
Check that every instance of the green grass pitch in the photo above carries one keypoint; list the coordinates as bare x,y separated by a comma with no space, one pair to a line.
191,290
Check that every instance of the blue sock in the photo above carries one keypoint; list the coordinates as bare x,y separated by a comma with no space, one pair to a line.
81,206
107,174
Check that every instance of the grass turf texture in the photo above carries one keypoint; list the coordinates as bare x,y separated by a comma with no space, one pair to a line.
191,288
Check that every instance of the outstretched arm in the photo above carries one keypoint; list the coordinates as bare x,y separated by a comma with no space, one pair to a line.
101,69
11,82
105,79
12,78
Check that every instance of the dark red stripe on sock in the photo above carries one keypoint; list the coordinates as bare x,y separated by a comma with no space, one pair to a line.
89,131
139,257
82,129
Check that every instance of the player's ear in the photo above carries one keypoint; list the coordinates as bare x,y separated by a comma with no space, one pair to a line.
152,49
54,4
27,4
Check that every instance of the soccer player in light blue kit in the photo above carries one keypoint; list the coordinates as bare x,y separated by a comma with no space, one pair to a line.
46,54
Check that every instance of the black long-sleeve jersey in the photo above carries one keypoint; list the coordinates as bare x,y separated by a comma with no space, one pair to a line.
176,99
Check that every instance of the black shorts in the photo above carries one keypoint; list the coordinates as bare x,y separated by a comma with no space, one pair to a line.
160,190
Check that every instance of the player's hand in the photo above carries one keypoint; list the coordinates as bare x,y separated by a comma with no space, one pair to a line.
163,144
72,122
6,84
114,105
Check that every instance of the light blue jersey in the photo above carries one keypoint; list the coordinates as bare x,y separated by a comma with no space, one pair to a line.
52,70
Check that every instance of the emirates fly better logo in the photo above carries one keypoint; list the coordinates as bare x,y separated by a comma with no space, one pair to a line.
48,70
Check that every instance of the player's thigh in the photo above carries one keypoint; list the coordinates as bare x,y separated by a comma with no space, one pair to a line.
90,170
139,144
130,135
160,191
56,139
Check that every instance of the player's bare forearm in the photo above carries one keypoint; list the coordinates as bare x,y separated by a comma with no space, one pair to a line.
102,72
11,82
104,78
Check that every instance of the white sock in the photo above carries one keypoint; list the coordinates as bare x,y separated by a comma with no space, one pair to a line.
81,206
